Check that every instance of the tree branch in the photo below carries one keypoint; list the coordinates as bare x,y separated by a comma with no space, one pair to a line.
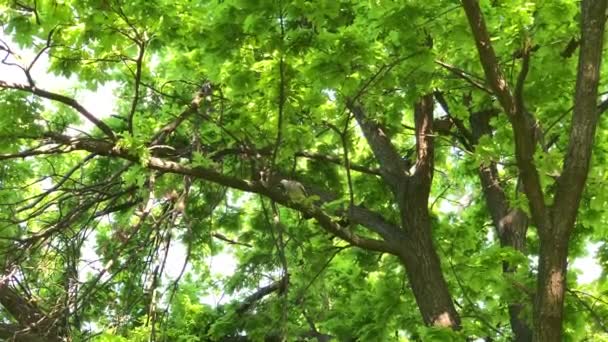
359,214
170,127
138,67
266,151
27,314
465,76
70,102
106,148
392,166
523,128
230,241
261,293
571,183
13,332
462,129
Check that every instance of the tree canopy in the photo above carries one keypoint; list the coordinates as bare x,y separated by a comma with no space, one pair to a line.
377,170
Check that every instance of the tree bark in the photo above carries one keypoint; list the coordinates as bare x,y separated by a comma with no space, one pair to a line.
511,224
419,256
423,270
553,263
555,222
411,192
552,267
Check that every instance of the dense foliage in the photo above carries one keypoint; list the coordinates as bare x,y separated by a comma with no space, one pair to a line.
377,170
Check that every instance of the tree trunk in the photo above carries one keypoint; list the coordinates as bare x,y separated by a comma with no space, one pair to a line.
420,256
411,192
555,233
426,279
551,286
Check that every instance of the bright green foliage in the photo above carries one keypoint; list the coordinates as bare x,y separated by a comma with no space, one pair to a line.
288,66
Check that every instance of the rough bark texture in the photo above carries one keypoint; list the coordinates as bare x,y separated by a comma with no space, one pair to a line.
555,223
411,192
419,255
511,224
426,278
552,267
423,267
523,128
553,257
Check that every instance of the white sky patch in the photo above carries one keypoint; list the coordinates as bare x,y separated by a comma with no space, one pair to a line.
220,265
330,93
438,111
175,261
533,261
454,203
90,263
46,184
587,267
100,103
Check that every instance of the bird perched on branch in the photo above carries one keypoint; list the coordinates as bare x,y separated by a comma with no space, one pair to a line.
296,192
293,189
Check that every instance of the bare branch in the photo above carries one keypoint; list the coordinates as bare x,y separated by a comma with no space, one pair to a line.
46,47
138,66
230,241
260,294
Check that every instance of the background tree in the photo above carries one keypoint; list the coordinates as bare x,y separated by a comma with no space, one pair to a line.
420,173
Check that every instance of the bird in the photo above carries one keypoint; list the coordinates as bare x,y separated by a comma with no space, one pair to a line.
294,190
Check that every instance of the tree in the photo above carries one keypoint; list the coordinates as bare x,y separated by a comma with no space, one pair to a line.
408,129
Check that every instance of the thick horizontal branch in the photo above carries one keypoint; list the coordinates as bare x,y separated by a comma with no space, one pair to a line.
105,148
376,223
262,292
358,214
